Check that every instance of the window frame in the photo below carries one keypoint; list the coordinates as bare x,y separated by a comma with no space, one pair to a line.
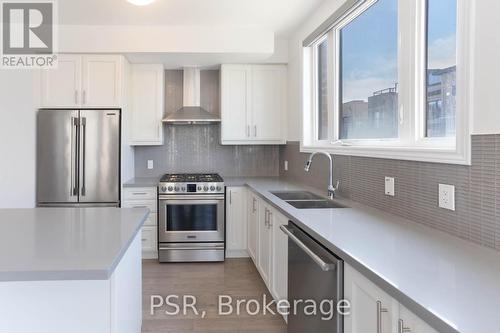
412,143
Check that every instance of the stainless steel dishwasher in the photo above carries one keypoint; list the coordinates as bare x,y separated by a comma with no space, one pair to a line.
314,273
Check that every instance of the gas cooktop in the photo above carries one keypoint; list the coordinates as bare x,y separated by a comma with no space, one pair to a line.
191,183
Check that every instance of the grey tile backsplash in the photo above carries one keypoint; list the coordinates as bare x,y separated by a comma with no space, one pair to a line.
197,148
477,215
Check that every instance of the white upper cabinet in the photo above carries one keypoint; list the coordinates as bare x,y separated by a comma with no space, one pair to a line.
253,99
234,102
61,87
101,81
267,104
83,81
147,104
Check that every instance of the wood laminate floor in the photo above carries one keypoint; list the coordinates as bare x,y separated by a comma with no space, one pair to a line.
206,281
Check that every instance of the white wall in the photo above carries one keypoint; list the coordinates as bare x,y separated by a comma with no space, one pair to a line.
486,68
17,139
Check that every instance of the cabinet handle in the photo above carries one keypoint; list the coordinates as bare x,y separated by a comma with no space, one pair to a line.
139,193
84,98
269,220
265,217
248,131
76,96
255,131
253,205
380,310
402,328
230,197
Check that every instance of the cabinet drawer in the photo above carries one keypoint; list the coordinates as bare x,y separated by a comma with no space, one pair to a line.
139,193
151,220
148,239
151,204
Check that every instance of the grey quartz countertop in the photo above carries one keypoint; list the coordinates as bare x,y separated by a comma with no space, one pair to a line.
451,284
65,243
142,182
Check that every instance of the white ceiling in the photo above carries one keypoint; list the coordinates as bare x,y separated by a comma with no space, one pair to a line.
280,16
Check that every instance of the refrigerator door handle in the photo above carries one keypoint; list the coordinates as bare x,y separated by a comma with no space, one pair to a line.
74,156
83,128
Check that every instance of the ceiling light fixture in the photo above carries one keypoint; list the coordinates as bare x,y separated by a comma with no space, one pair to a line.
141,2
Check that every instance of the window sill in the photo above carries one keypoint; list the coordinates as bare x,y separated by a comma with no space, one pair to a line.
420,154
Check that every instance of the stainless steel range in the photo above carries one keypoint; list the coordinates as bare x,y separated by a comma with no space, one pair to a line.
191,218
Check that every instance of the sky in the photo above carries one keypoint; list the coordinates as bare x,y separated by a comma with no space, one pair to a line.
369,46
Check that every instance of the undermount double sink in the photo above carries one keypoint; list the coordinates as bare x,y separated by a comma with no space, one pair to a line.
306,200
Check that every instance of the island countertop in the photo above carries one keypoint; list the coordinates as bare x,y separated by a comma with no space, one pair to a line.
65,243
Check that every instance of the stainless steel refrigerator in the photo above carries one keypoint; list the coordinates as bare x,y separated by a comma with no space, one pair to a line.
78,158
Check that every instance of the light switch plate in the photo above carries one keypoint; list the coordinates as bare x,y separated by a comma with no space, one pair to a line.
389,186
286,165
150,164
447,196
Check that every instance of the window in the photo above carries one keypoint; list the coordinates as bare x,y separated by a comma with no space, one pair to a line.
322,89
441,68
386,80
369,74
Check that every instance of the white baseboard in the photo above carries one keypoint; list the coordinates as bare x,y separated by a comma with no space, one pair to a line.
237,254
150,255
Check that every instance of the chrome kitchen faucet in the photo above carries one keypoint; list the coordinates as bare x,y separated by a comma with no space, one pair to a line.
331,189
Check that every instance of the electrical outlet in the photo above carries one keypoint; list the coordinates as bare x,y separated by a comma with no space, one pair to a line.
150,164
389,186
447,196
286,166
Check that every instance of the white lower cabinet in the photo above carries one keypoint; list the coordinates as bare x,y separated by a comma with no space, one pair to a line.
410,323
252,223
279,283
145,197
265,244
236,222
374,311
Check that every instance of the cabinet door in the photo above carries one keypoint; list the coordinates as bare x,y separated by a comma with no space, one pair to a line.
236,222
369,305
409,322
279,276
264,252
268,102
234,103
101,82
147,91
60,87
252,225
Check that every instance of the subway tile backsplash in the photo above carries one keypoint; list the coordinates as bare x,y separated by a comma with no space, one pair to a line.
197,148
477,214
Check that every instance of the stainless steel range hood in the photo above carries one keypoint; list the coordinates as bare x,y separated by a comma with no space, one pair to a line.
191,112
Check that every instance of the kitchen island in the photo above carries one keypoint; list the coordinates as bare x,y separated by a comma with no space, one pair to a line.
71,270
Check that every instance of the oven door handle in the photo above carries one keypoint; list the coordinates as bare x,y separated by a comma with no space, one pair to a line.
191,197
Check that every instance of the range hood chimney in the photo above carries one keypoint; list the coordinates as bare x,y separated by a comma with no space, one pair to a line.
191,112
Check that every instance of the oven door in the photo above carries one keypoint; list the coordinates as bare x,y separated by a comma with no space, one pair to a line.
191,218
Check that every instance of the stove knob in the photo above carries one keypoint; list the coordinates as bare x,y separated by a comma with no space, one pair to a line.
183,189
177,189
164,189
205,188
170,188
199,188
219,188
212,188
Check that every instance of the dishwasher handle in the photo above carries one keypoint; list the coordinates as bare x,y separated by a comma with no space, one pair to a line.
321,263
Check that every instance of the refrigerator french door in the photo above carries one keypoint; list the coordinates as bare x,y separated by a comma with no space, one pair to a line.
78,157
